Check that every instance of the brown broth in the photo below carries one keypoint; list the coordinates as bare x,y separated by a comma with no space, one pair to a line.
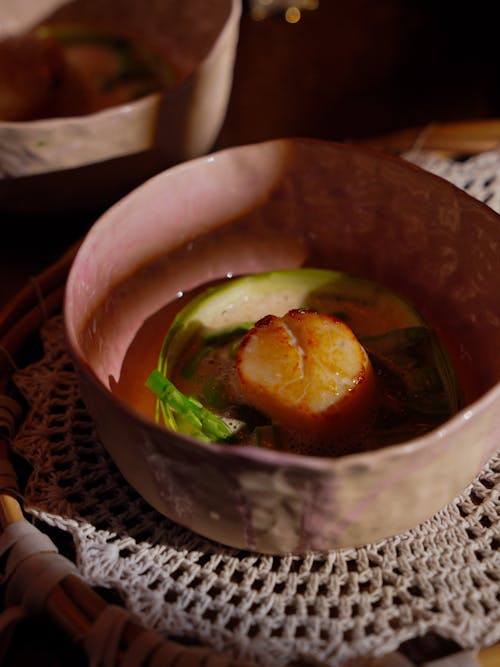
390,426
142,356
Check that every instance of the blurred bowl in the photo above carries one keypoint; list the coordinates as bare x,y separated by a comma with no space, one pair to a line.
282,204
91,159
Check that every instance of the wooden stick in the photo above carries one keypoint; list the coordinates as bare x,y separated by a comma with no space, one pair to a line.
53,278
489,657
67,615
14,339
10,510
448,139
24,314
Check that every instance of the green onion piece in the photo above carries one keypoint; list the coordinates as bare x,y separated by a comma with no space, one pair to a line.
189,409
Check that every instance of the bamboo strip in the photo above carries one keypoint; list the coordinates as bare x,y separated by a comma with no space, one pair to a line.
448,139
10,509
66,614
23,315
53,278
85,605
72,605
14,339
489,657
89,602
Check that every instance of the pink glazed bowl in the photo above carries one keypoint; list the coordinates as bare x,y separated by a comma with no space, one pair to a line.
283,204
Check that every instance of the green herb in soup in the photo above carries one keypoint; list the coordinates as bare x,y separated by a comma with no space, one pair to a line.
306,360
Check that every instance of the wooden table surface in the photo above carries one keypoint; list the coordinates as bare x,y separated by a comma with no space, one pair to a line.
350,69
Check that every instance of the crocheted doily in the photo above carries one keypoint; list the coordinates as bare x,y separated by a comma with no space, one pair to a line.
478,175
442,576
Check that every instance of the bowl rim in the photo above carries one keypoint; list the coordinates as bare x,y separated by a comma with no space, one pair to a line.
59,121
275,458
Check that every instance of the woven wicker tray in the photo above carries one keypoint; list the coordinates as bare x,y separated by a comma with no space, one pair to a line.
71,604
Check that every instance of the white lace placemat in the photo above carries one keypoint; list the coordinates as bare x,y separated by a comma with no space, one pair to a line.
442,576
478,175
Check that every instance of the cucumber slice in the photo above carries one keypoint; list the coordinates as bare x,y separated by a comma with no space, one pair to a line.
366,307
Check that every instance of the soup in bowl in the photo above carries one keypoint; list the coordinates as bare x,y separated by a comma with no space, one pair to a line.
246,269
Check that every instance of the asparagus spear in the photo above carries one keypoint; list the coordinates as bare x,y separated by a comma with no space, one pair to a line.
201,420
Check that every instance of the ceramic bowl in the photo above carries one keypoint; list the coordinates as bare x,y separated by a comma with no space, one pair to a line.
281,204
87,160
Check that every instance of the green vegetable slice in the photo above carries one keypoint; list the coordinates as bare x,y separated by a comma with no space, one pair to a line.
368,308
197,420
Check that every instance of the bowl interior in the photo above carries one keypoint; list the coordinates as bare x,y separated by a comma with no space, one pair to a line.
287,204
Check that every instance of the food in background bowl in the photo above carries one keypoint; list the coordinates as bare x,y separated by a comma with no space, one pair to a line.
306,360
71,136
286,205
69,70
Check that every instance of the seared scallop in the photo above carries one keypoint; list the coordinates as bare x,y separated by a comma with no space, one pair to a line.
309,374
